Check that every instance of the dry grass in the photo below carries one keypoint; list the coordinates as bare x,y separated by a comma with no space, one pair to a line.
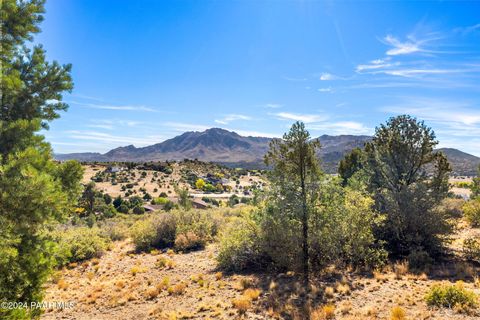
252,294
325,312
343,289
397,313
177,289
242,304
152,292
329,292
400,269
165,263
62,284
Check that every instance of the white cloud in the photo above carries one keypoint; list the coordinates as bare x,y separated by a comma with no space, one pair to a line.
111,124
182,127
101,126
307,118
375,65
329,89
468,29
232,117
399,48
341,127
273,105
442,111
114,107
86,135
418,72
327,76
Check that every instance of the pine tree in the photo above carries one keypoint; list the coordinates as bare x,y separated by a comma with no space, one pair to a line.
34,190
409,179
295,178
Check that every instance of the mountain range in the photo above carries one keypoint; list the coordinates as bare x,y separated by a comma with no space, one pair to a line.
231,149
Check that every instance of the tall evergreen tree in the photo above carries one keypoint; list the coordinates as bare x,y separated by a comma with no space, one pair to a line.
408,179
295,178
34,190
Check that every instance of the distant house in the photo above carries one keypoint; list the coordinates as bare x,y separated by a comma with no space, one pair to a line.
115,169
199,204
152,207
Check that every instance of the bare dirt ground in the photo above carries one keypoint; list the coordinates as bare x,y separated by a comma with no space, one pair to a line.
121,285
126,285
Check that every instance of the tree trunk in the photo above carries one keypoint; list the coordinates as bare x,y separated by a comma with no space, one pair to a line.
305,254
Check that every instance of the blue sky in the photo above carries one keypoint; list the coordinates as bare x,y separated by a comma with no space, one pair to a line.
146,71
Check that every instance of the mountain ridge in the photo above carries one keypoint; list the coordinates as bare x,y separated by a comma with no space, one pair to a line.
231,149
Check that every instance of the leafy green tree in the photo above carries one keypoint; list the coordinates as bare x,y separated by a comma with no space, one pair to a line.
199,184
350,164
408,180
294,177
35,191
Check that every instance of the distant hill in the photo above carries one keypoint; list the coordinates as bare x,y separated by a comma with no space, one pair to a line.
231,149
463,164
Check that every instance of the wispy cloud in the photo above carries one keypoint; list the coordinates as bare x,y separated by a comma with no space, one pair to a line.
87,97
87,135
376,65
328,89
341,127
232,117
307,118
406,47
327,76
101,126
114,107
182,127
273,105
447,112
110,124
468,29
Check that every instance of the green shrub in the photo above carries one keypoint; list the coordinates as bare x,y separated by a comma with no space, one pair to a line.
169,206
138,210
471,211
79,243
115,230
156,231
203,223
419,260
189,241
451,296
471,249
239,246
123,208
160,200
